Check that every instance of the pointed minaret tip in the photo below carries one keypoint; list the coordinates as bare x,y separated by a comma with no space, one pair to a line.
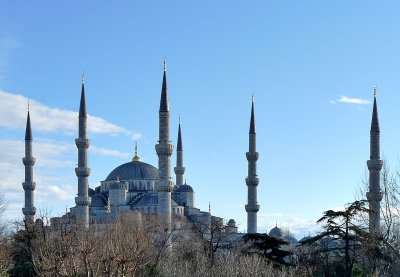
179,146
83,77
375,120
28,130
164,104
252,129
82,106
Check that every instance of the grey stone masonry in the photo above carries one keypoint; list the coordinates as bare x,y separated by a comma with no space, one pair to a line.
82,171
252,180
28,185
179,169
374,195
164,151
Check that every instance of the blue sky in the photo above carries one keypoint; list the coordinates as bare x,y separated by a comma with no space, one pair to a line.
305,61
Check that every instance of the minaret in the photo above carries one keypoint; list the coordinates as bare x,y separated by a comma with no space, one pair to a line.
29,210
252,180
179,169
374,164
82,171
164,151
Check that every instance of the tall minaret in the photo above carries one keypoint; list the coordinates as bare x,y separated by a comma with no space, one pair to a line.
82,171
29,186
179,169
252,180
374,164
164,151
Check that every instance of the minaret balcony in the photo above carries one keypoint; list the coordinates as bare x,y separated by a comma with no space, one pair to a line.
29,210
82,142
29,185
252,156
252,181
82,171
164,149
162,185
252,208
374,196
29,161
82,201
179,170
375,164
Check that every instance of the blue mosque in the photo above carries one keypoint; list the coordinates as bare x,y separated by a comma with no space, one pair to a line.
139,187
136,186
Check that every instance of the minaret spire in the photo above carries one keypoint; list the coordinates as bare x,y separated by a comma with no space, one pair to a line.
252,181
164,151
179,169
29,209
164,103
82,171
374,164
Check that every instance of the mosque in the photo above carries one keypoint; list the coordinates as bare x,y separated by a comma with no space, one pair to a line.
136,186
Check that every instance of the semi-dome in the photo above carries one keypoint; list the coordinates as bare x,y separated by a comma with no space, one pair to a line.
98,200
135,170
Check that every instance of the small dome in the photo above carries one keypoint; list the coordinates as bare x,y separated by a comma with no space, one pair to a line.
98,201
276,232
185,188
134,170
231,223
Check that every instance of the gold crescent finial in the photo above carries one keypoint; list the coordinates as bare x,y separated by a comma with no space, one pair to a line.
252,97
165,64
375,89
179,119
209,207
83,76
28,105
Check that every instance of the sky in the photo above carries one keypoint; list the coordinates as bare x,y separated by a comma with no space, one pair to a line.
310,64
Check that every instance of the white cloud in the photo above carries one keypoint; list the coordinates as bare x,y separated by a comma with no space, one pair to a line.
348,100
13,115
108,152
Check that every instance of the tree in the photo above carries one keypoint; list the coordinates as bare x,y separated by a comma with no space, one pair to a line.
267,246
342,227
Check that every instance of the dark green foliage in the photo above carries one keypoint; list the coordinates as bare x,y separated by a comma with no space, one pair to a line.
21,253
269,247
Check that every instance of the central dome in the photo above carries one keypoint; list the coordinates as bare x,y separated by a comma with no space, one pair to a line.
134,170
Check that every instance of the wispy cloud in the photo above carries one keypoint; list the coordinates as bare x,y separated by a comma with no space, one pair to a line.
349,100
47,119
108,152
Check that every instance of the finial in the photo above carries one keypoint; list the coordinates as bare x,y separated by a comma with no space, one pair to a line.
83,76
179,119
66,209
136,157
165,64
375,89
252,97
28,105
209,207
